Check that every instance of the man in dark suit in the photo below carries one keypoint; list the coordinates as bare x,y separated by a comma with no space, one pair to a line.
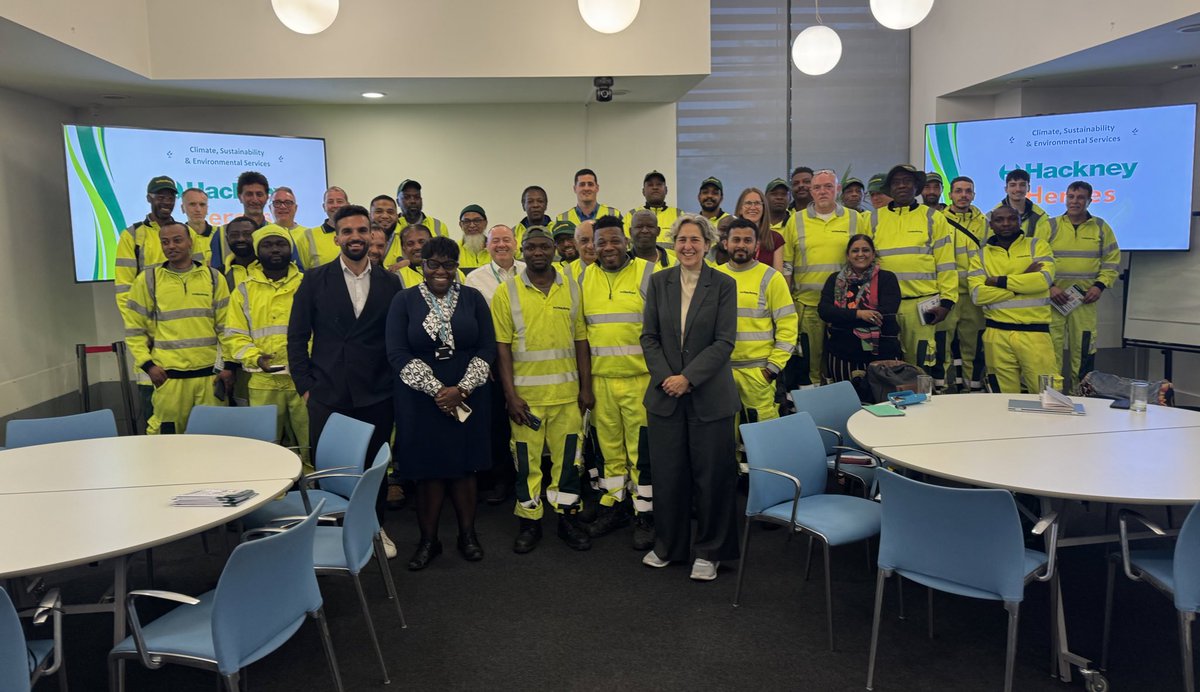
688,332
342,307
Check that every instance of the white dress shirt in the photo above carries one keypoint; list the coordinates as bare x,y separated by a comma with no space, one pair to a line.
358,286
488,278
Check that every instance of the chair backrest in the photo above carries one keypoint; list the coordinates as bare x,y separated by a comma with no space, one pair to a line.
253,422
343,442
266,590
1187,563
14,656
41,431
968,536
790,444
830,406
360,524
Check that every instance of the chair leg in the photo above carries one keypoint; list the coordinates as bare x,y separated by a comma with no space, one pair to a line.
1185,647
1010,654
116,675
808,560
880,582
1108,606
387,579
737,592
828,597
362,599
930,615
232,682
319,616
62,677
900,594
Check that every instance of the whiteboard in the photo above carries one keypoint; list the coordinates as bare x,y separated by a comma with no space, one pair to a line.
1163,297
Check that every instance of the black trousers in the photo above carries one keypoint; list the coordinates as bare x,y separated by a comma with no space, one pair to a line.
693,464
382,415
503,469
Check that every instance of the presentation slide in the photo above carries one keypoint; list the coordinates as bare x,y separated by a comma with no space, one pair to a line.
1139,163
108,169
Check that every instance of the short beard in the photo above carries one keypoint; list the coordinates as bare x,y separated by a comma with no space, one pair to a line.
474,242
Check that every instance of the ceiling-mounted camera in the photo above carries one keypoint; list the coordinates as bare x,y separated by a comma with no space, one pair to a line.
604,89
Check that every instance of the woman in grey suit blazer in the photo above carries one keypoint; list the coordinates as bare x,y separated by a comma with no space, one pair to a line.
688,330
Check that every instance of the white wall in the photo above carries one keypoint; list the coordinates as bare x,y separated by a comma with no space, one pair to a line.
43,311
113,30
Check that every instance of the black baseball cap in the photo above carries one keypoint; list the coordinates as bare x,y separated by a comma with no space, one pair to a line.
161,182
712,182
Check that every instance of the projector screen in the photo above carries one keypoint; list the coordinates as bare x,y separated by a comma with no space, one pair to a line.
108,169
1139,162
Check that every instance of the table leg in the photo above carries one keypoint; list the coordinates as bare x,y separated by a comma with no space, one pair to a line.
119,590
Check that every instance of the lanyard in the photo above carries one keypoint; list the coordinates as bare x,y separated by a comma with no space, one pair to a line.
442,321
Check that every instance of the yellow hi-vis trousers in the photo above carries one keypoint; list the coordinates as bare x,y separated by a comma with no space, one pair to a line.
916,339
173,403
1078,332
1015,357
958,342
620,420
811,343
758,402
560,431
291,416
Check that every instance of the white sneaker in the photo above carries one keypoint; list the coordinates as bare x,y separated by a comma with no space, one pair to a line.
703,570
389,548
653,560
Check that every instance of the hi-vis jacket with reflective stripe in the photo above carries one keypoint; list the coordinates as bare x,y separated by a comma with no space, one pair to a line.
787,229
767,325
968,242
1022,297
915,244
819,249
139,249
1086,255
1033,221
395,248
576,218
524,225
542,329
665,215
257,322
612,308
173,319
312,247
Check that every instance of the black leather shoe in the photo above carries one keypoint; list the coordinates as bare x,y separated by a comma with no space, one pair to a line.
608,520
573,533
468,545
527,536
643,531
426,551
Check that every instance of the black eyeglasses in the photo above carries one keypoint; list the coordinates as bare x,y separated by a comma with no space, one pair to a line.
434,265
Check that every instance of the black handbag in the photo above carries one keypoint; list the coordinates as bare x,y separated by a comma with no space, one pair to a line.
887,376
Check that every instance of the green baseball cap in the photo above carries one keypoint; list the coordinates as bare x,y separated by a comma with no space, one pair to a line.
712,182
934,175
407,183
875,184
777,182
654,174
561,227
161,182
852,181
536,232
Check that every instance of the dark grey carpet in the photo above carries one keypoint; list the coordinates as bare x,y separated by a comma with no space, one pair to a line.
559,619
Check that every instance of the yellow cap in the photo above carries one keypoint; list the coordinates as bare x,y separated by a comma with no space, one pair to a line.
268,231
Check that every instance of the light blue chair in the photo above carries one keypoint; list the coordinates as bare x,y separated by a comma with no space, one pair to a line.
42,431
252,422
24,662
963,541
341,455
831,406
346,549
787,487
1175,572
266,591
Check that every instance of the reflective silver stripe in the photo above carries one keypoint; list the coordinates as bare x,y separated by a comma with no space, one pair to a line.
186,343
574,288
977,272
220,302
543,355
1053,229
929,229
1110,248
789,309
242,351
518,314
235,330
1083,254
1109,265
246,304
313,255
946,267
122,288
940,241
184,313
137,308
975,294
135,332
755,336
1043,258
785,347
753,312
126,262
1077,275
915,276
910,250
762,289
273,330
612,317
645,287
758,363
809,286
853,220
542,380
616,350
1049,279
1019,303
822,267
801,242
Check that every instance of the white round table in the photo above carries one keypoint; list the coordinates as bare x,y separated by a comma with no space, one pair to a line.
72,503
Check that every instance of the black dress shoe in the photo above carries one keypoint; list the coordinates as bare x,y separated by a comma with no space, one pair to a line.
426,551
573,533
608,520
643,531
527,536
468,545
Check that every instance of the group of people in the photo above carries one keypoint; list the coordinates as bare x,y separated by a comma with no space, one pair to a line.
625,347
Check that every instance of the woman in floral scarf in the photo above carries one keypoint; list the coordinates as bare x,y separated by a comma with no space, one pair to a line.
859,304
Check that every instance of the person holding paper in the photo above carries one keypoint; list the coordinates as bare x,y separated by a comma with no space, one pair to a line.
441,344
1089,258
1010,278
